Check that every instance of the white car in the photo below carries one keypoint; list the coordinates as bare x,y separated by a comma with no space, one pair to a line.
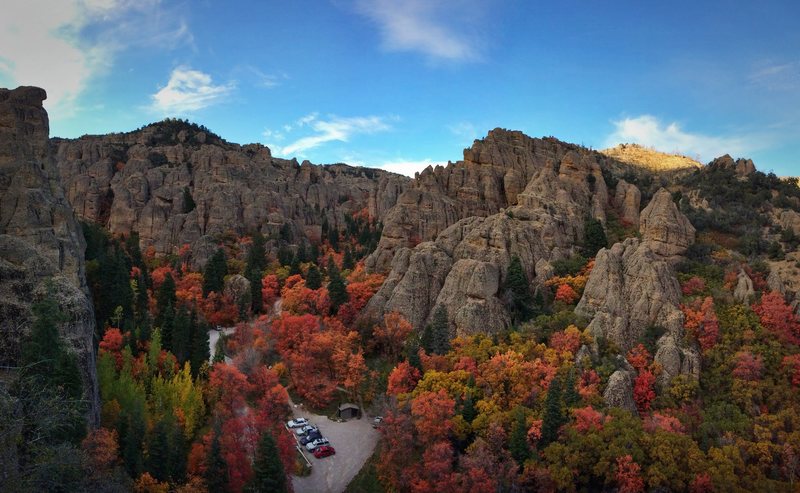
306,429
297,422
319,442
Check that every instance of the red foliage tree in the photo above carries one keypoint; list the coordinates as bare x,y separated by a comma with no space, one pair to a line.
566,294
644,390
112,343
588,419
702,483
270,290
661,422
778,317
639,357
693,286
748,366
792,364
393,333
402,379
628,476
432,413
701,321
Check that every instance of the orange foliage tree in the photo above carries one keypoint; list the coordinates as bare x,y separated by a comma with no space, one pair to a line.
393,333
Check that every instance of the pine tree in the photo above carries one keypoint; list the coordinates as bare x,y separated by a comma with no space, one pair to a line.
165,299
314,254
336,287
412,353
216,467
469,413
200,347
571,396
518,443
256,262
426,339
294,267
347,261
214,274
268,472
440,331
313,278
167,327
518,290
553,415
158,451
181,335
594,237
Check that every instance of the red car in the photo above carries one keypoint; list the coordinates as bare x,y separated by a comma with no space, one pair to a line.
324,451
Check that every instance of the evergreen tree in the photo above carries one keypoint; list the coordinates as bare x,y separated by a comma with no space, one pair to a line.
313,278
426,339
217,468
165,299
469,413
440,329
256,301
571,396
268,472
336,287
333,238
188,201
181,335
518,443
131,441
158,451
314,254
518,291
347,260
553,415
167,327
286,233
594,237
257,255
412,353
214,274
200,347
302,255
294,267
285,255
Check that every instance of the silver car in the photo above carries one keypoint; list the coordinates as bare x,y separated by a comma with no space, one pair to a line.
319,442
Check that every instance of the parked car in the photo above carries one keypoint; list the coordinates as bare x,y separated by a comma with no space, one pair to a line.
377,421
306,429
310,437
297,423
324,451
319,442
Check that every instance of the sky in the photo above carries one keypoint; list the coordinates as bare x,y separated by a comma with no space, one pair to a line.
401,84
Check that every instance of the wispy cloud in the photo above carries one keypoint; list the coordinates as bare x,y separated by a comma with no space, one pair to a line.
189,90
649,131
330,129
63,46
777,76
434,28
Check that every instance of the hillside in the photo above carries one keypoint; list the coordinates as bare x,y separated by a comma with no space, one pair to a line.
650,158
536,316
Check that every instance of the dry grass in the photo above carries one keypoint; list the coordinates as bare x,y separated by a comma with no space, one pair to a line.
650,158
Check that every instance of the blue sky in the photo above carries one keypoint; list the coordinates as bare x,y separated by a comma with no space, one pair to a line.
403,83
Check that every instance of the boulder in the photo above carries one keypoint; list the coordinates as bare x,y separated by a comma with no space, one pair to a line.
743,292
619,391
667,231
627,199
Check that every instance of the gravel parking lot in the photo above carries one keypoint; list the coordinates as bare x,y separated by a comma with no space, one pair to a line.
354,442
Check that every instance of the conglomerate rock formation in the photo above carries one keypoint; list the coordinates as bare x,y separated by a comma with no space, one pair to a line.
41,243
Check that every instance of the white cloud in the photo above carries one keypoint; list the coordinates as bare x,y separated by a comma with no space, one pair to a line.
331,129
647,130
424,26
777,76
188,90
63,46
408,168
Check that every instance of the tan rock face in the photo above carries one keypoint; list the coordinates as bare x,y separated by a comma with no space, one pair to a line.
741,167
464,268
633,287
743,292
628,199
664,228
789,219
136,181
494,175
40,239
619,391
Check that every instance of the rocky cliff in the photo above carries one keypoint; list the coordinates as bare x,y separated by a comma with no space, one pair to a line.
633,289
40,240
176,183
494,173
464,267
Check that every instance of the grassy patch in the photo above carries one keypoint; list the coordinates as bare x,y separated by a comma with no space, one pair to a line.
301,467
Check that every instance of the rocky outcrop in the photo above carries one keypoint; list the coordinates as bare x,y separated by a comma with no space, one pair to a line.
667,231
628,199
41,243
743,292
494,175
238,288
619,391
789,219
633,288
741,167
775,282
175,183
463,270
